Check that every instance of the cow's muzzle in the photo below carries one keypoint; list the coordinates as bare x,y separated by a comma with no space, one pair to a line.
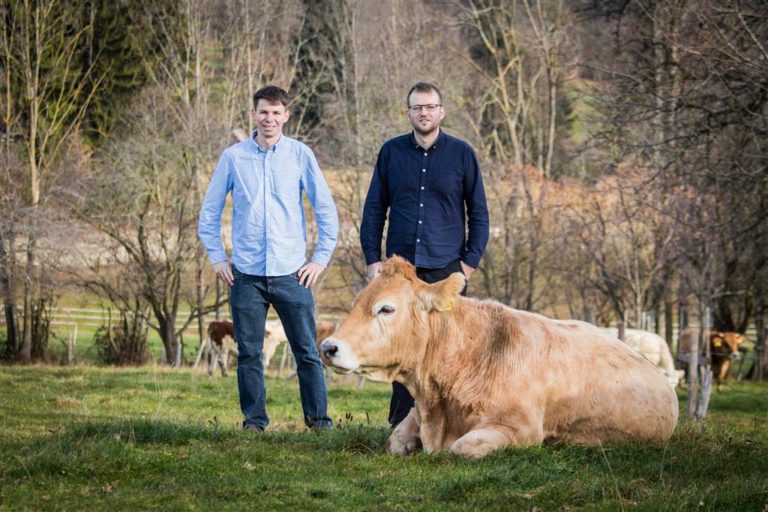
328,349
336,355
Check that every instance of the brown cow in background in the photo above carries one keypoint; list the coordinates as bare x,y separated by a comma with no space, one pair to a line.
723,346
222,343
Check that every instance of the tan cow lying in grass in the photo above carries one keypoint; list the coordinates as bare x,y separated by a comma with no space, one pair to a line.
486,376
222,343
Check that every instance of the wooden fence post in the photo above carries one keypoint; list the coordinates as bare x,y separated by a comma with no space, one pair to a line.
622,326
706,369
693,373
693,376
668,323
70,349
760,343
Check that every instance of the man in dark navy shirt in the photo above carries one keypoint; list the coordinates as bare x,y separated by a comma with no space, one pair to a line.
430,185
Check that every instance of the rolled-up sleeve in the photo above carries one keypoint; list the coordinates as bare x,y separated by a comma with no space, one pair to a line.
326,216
478,224
209,223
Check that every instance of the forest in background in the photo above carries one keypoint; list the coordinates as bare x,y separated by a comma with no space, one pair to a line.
623,143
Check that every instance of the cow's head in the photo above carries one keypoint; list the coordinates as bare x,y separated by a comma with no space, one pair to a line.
726,344
388,326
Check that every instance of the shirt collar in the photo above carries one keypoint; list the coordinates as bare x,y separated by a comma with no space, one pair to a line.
438,141
273,148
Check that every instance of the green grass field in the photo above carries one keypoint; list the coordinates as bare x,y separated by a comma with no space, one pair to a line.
89,438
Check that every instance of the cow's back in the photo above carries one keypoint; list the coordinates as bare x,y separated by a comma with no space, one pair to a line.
621,396
580,383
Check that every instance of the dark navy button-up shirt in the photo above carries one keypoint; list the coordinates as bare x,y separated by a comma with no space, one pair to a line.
432,197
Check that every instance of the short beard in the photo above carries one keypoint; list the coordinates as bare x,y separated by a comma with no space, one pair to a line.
425,133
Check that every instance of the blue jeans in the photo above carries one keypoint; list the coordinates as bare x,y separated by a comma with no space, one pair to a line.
250,298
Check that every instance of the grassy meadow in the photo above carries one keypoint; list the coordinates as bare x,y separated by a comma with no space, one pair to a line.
151,438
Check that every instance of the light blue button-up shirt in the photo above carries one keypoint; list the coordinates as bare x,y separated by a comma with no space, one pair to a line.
269,236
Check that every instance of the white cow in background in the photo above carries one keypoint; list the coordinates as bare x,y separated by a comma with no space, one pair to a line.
654,348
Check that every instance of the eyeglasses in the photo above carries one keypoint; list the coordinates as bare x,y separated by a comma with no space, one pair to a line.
429,108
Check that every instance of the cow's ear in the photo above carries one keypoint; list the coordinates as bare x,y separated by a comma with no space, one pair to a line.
441,295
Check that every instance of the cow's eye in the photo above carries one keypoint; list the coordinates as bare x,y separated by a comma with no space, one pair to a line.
386,310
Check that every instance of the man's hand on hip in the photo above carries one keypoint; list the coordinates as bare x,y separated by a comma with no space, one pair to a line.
468,271
373,270
309,273
224,271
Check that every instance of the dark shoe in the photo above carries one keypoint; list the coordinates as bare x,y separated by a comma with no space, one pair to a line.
252,428
322,426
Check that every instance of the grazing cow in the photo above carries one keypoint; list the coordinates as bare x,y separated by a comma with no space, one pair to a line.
653,347
723,347
486,376
221,342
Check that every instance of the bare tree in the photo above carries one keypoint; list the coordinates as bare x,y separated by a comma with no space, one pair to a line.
139,196
518,52
685,92
46,94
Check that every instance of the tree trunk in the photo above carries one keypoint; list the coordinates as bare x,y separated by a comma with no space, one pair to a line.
9,302
30,298
167,333
669,325
760,369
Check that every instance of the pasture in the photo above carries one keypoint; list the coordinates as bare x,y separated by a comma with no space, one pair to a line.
152,438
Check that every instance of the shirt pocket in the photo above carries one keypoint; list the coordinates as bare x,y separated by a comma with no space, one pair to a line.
285,181
246,181
447,182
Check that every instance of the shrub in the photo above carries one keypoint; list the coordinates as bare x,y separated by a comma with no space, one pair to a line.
125,344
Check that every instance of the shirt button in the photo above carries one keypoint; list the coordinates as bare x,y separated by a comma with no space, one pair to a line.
419,222
423,170
418,240
422,188
421,205
425,153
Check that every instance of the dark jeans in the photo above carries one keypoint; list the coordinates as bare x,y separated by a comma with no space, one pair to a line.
250,298
402,401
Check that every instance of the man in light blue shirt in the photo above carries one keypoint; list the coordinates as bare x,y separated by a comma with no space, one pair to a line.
267,176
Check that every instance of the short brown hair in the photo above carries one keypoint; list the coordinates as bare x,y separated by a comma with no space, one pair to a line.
272,94
423,87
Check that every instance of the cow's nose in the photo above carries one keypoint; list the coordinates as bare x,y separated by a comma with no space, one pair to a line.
329,349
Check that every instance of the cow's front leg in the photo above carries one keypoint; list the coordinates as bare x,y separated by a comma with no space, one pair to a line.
479,443
482,441
209,359
405,438
722,374
223,356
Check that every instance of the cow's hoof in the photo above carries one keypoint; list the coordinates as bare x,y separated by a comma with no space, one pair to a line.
479,443
397,445
473,450
413,445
